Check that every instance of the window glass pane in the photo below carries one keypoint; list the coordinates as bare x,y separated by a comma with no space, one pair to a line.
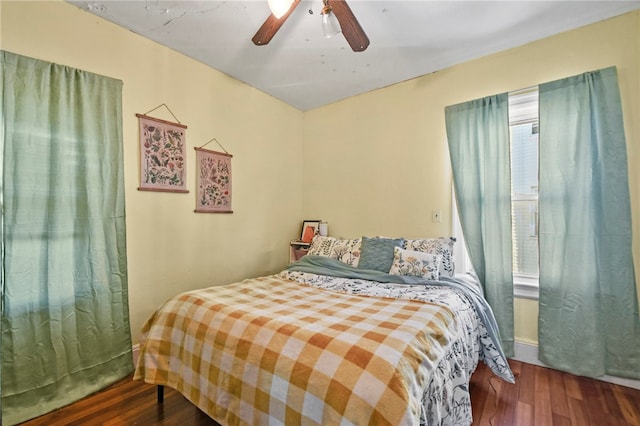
524,183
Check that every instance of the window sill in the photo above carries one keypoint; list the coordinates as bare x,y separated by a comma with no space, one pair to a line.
525,287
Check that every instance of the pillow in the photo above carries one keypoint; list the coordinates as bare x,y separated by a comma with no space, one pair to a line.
321,246
377,253
442,246
347,251
415,264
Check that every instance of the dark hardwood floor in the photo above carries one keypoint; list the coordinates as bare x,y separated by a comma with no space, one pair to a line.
540,397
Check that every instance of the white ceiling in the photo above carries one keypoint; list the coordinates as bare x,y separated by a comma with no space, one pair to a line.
299,67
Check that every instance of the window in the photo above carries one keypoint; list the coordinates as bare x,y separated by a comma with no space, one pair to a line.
523,126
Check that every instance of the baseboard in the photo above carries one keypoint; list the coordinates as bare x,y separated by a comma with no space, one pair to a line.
527,352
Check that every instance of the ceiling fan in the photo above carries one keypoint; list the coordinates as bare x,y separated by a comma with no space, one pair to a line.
351,29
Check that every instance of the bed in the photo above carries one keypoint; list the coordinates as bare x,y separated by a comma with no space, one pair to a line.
330,341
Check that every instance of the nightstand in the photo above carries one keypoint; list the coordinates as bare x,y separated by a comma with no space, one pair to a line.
297,249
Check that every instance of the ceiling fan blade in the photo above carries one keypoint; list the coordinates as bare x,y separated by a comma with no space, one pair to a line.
271,27
351,28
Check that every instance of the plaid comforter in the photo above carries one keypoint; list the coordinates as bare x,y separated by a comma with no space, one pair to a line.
274,351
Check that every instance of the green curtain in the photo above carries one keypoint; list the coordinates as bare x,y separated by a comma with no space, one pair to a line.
588,320
478,135
65,318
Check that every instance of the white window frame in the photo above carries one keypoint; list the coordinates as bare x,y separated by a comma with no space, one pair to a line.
521,111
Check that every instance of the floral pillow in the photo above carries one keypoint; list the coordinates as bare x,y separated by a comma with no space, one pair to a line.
347,251
442,246
321,246
415,264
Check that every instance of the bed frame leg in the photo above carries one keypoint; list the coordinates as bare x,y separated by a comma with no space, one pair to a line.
160,394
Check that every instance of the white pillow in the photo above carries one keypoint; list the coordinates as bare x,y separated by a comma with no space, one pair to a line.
442,246
321,246
415,264
347,251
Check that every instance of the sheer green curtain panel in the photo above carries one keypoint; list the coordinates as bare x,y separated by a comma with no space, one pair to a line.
65,318
588,319
478,135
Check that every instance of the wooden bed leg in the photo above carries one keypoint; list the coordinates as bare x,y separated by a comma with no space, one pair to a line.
160,394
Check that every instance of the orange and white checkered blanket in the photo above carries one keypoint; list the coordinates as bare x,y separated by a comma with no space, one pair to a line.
273,351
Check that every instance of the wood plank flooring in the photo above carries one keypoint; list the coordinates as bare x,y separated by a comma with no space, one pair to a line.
540,397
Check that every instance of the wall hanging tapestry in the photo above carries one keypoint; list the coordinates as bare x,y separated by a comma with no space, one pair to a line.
213,174
162,155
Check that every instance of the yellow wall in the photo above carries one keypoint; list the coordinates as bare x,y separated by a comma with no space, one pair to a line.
375,164
170,248
378,163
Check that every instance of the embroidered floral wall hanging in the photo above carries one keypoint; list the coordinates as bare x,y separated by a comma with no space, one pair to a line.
162,155
213,173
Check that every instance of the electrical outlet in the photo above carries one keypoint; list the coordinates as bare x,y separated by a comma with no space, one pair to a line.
435,216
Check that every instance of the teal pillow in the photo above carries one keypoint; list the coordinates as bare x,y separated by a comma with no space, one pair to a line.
377,253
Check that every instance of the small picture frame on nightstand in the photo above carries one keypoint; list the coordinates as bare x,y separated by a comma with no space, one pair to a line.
309,230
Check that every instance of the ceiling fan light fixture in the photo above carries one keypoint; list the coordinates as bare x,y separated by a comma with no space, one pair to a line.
337,17
279,7
330,24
